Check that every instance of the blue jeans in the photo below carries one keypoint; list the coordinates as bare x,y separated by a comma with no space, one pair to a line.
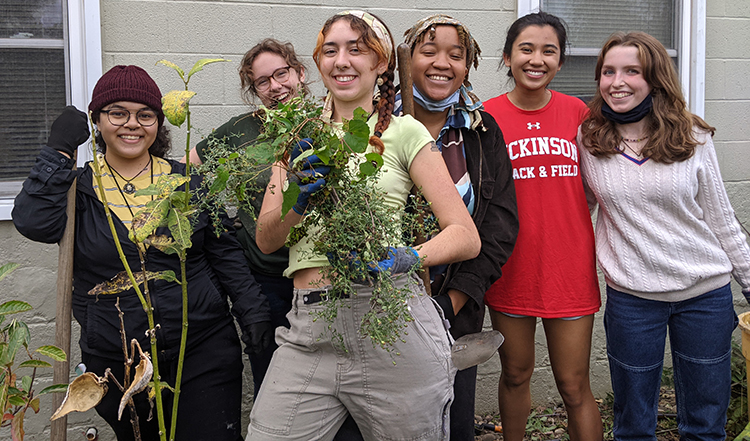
700,335
279,291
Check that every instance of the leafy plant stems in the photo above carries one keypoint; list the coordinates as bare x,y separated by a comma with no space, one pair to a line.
146,304
126,378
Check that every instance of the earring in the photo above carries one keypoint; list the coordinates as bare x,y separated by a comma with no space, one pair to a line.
380,81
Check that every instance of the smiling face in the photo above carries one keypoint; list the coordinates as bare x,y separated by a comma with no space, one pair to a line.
535,57
438,66
264,66
622,84
348,68
130,141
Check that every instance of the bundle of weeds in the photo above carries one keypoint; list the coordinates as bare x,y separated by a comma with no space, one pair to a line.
348,220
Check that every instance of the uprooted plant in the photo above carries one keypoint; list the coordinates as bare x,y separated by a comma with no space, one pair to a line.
351,223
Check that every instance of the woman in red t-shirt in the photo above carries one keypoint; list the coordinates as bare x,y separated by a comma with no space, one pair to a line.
552,272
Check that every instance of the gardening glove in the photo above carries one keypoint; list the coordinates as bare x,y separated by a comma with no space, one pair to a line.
399,260
444,300
69,130
357,268
310,178
257,337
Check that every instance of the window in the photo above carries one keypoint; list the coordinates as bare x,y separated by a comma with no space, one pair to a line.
678,24
49,50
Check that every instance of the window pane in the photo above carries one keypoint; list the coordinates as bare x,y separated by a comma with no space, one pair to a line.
32,90
31,19
590,22
576,78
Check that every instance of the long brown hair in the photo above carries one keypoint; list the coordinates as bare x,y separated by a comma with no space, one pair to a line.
369,39
670,124
284,50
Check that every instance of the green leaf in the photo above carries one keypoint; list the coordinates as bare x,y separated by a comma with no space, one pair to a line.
179,226
15,400
7,269
203,62
52,352
372,164
163,243
18,335
173,66
290,198
34,404
35,364
26,383
13,307
55,388
151,190
148,219
220,183
175,105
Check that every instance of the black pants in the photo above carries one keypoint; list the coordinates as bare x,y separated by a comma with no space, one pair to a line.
210,397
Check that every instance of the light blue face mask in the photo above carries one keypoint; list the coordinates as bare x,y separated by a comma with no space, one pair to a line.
435,106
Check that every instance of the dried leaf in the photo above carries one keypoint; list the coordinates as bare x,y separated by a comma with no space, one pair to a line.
143,373
13,307
121,282
16,426
162,243
34,404
83,393
148,219
175,105
179,226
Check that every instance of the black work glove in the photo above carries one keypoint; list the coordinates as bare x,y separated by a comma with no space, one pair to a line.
69,130
444,300
257,337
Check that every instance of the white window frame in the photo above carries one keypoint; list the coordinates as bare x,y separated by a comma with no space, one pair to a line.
83,67
692,60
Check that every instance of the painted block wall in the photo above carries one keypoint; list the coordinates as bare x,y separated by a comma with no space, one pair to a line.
143,32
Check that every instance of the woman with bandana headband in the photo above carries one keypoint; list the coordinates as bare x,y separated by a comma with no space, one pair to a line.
667,241
552,272
312,383
472,146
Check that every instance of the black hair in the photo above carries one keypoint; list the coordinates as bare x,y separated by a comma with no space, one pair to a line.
540,18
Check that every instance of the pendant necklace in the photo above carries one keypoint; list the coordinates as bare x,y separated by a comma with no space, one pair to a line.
625,142
124,189
129,188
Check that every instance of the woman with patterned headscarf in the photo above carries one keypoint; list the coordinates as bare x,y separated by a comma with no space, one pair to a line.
313,382
472,146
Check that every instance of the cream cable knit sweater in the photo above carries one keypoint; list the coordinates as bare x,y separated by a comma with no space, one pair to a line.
665,232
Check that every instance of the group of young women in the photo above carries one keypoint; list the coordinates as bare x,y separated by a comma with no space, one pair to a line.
520,173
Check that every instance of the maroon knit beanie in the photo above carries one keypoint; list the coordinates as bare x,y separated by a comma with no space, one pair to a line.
127,83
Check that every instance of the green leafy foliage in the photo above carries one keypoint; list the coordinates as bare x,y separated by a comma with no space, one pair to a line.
16,390
351,220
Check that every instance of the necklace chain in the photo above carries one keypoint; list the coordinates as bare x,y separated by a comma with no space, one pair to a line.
625,141
128,188
634,139
124,189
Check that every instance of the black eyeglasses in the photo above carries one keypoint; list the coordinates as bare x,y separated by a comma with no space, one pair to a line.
120,117
280,75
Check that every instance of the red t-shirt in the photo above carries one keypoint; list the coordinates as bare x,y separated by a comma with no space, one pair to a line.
552,271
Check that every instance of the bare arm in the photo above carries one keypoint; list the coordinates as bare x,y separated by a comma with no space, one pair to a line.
194,158
271,231
458,238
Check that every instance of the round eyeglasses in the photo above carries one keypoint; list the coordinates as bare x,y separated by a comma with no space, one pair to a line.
120,117
280,75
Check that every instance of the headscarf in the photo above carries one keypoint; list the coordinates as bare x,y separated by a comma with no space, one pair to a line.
471,104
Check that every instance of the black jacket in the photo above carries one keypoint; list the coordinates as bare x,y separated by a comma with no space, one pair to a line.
496,219
215,267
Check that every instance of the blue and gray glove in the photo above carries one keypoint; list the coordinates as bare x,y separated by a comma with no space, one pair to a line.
399,260
310,177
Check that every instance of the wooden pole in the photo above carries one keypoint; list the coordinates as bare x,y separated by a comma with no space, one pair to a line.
63,317
403,52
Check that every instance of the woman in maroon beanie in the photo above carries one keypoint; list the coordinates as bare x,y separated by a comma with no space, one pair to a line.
126,108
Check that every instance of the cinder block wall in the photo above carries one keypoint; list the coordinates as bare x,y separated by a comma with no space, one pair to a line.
143,32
